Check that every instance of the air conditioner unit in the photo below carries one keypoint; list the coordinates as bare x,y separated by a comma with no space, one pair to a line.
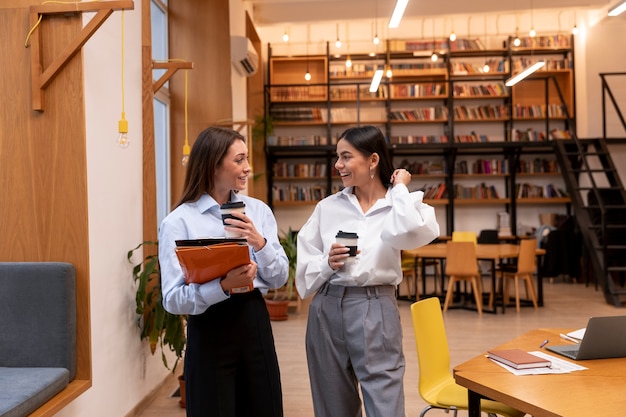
243,55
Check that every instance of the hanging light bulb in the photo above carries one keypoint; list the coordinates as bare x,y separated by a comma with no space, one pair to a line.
186,148
122,125
376,39
285,37
486,67
532,32
186,152
337,42
434,57
452,36
122,138
348,62
575,30
516,41
388,71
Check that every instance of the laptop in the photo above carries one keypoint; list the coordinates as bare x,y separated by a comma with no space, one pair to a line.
605,337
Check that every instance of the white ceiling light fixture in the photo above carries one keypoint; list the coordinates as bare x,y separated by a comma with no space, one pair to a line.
398,11
525,73
378,75
618,9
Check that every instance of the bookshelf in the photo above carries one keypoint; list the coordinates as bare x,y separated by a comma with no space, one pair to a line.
468,139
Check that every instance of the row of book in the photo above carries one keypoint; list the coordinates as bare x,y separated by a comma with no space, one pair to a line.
496,89
481,112
525,190
358,69
300,170
539,111
298,93
482,166
314,140
550,64
471,68
531,135
349,92
424,167
438,113
290,192
434,192
418,90
298,114
408,68
471,138
538,166
545,41
478,192
413,139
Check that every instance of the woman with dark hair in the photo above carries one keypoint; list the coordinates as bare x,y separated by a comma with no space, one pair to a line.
231,369
354,335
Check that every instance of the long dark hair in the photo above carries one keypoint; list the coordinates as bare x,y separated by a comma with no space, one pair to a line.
206,156
368,140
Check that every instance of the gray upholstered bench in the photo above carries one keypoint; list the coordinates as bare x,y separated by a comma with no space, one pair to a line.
37,333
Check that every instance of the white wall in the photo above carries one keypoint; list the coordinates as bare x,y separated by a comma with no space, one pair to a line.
124,372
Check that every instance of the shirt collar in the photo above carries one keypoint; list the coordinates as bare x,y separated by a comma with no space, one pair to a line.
206,202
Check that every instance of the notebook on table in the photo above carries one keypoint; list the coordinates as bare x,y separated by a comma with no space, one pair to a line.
604,337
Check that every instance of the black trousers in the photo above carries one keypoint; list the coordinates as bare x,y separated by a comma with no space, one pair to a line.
231,369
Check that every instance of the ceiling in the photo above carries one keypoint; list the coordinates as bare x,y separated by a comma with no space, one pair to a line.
273,12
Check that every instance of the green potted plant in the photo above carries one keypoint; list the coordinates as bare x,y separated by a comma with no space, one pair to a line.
162,329
278,300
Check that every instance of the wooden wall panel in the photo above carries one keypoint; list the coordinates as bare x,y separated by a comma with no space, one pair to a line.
199,32
43,176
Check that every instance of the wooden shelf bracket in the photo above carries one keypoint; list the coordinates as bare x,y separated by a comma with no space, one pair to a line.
171,67
42,77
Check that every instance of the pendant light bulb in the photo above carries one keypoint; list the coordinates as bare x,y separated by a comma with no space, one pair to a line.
285,37
575,30
532,32
186,152
337,43
348,62
434,57
389,72
486,67
307,76
452,36
376,40
122,137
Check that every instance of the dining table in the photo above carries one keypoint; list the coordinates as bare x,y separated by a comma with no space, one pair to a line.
495,253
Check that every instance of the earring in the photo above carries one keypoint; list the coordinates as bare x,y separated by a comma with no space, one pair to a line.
372,174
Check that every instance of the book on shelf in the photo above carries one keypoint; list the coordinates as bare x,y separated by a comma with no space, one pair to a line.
518,359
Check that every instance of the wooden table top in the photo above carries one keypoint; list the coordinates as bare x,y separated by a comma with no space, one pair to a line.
492,251
597,391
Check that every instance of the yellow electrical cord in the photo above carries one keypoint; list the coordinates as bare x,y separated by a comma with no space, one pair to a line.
30,32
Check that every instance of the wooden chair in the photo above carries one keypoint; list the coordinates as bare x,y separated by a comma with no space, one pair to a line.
462,265
411,278
463,236
524,270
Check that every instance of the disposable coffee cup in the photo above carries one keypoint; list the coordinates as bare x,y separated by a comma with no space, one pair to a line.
349,240
227,210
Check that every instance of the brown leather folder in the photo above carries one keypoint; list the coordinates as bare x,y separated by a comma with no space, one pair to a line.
202,264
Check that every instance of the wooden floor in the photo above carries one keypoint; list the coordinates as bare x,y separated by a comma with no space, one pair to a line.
566,305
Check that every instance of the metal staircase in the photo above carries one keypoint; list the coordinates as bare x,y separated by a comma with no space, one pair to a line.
599,205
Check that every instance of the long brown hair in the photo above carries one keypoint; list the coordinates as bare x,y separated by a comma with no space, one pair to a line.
206,156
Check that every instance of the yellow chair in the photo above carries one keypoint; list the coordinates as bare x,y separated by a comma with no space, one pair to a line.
409,266
436,384
462,265
462,236
524,270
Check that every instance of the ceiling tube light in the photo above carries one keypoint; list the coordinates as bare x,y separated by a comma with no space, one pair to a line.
617,10
398,11
378,75
525,73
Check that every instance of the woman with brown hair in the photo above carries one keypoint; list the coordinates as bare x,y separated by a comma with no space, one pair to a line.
231,369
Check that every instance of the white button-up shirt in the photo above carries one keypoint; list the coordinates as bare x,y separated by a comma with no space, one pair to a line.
202,219
399,221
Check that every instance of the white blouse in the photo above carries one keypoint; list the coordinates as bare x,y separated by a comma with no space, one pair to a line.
399,221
